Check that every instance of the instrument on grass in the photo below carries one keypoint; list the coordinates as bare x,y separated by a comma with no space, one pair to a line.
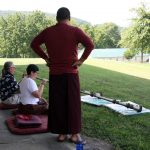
136,107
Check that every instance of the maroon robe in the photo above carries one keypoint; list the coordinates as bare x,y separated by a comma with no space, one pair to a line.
64,104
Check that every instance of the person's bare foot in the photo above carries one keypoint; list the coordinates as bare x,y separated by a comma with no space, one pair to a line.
76,138
61,138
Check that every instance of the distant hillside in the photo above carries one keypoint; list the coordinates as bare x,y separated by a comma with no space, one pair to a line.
9,12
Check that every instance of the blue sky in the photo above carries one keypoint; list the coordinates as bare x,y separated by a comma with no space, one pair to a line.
93,11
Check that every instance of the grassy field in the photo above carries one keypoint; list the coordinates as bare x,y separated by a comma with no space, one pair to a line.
120,80
130,68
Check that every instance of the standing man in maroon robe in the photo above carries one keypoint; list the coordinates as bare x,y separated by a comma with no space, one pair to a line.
61,41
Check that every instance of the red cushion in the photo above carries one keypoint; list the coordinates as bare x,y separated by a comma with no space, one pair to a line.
24,121
8,106
22,131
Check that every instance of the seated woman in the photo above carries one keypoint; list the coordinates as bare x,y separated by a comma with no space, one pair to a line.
31,101
9,88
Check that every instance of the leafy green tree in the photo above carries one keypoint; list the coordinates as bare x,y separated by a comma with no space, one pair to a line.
3,38
137,36
12,28
107,35
17,31
129,54
35,22
88,29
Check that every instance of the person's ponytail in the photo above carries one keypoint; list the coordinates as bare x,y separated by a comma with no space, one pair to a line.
3,72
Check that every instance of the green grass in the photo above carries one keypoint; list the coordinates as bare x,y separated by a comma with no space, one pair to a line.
131,68
124,132
121,80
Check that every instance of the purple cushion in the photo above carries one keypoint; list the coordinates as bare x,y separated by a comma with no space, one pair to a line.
10,122
24,121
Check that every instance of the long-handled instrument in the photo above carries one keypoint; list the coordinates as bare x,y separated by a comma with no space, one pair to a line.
136,107
42,79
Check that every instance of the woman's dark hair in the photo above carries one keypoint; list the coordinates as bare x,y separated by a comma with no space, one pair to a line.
6,67
62,14
32,68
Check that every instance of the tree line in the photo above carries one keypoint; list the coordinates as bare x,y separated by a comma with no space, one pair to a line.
17,31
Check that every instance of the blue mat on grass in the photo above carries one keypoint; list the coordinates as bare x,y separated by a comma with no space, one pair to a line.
116,107
94,101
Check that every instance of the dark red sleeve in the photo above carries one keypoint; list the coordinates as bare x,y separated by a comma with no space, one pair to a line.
86,41
36,45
